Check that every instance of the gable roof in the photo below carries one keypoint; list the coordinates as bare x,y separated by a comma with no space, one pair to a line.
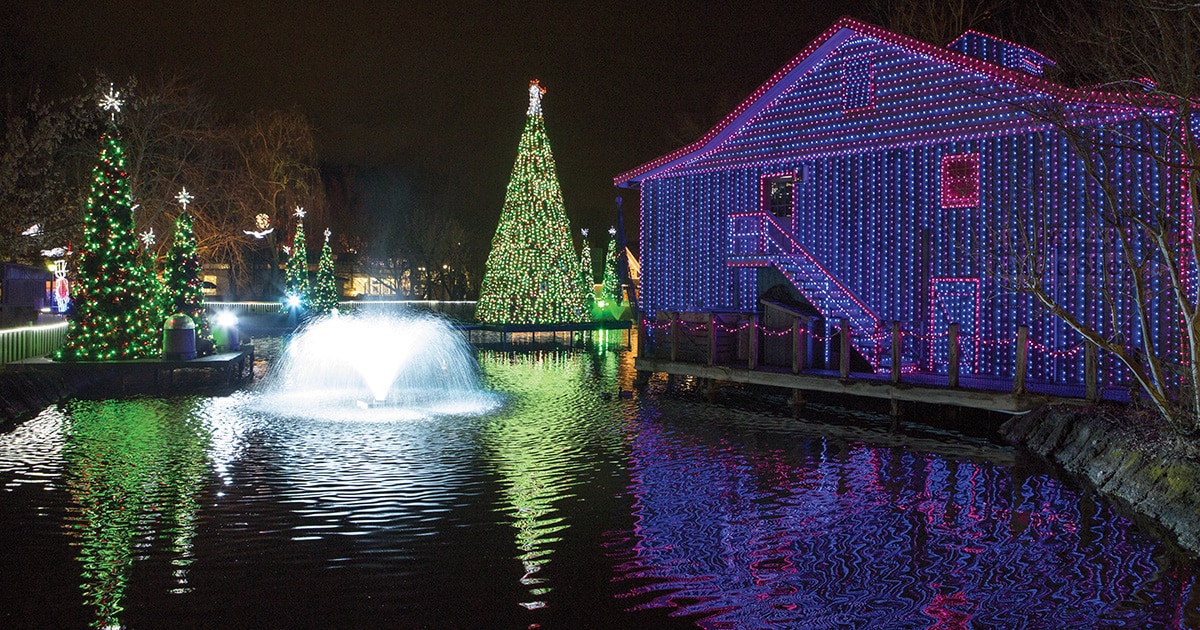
823,46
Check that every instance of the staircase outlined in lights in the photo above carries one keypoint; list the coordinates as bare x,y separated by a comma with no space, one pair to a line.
757,240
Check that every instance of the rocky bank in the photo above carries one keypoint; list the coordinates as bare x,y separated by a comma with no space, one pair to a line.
1127,454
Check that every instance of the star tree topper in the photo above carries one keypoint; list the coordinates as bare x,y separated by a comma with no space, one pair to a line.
184,198
111,102
327,233
299,213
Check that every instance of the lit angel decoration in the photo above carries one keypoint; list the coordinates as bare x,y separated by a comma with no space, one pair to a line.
148,238
327,233
536,91
111,102
583,231
184,198
33,230
299,213
54,253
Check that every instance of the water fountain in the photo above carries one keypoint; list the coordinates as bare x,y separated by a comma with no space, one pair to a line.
379,367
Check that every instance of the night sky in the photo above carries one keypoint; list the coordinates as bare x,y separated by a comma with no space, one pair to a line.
438,89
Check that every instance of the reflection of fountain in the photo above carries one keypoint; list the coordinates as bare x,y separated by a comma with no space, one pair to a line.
414,365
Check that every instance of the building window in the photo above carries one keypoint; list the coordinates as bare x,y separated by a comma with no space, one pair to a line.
960,180
777,194
858,84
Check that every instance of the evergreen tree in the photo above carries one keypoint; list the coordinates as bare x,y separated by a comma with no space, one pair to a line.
118,314
181,273
612,286
325,291
297,263
587,281
532,275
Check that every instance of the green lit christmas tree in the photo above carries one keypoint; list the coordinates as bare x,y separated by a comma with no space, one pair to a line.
296,283
587,281
325,292
612,286
118,311
181,273
532,275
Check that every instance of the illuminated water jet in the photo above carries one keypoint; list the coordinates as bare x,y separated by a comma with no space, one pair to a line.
384,366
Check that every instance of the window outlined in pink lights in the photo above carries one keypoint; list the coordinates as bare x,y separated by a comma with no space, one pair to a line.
960,180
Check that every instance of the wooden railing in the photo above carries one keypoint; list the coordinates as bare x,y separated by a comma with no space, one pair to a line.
742,339
30,341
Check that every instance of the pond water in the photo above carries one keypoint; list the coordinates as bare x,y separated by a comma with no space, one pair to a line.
570,506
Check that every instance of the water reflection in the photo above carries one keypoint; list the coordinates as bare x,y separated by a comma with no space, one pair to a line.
743,526
134,469
543,446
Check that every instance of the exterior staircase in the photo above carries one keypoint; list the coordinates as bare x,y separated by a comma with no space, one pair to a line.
757,240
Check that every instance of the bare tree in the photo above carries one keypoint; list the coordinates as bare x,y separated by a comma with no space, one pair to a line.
278,172
48,147
1145,309
937,22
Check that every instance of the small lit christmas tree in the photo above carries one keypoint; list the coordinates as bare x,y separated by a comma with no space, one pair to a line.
296,283
118,311
325,291
181,273
532,275
612,286
587,281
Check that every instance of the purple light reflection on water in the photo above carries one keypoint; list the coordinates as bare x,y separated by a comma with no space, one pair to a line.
738,530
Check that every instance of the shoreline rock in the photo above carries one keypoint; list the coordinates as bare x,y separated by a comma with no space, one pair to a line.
1127,454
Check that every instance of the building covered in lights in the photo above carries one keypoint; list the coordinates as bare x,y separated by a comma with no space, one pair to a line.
869,177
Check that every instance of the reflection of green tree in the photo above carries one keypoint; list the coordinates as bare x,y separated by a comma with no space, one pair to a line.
134,468
537,446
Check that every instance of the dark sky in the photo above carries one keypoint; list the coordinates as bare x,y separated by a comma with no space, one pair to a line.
438,89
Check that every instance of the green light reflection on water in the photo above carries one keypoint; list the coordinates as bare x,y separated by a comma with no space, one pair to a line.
538,445
134,469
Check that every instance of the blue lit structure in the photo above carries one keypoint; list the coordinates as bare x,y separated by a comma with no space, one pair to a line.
872,175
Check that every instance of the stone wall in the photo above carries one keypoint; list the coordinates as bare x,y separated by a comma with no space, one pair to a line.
1127,454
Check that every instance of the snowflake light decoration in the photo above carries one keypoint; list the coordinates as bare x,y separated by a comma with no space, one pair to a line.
612,231
299,213
111,102
148,238
184,198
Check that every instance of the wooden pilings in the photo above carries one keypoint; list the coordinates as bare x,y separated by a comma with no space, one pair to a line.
952,343
896,341
1022,360
844,349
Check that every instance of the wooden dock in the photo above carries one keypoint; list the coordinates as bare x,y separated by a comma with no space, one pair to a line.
738,347
159,375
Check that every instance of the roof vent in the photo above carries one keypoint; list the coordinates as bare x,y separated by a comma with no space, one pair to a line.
1001,52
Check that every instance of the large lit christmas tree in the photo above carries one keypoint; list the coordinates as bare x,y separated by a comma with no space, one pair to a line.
296,283
118,311
532,275
325,291
181,273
